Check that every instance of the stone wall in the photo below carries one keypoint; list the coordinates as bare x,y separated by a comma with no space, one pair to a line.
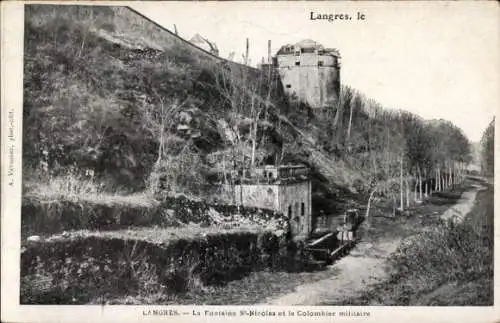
277,197
50,217
319,86
291,198
255,195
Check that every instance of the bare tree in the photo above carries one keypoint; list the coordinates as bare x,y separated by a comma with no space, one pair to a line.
157,120
248,95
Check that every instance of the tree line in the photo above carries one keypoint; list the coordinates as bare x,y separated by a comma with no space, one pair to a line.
404,156
487,149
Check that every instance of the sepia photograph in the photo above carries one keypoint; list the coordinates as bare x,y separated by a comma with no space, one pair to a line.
330,159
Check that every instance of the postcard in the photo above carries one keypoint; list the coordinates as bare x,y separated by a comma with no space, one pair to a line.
250,161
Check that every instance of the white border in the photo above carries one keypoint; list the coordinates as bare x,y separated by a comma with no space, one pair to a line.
12,20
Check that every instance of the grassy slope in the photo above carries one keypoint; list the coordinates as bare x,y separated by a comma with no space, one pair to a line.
80,69
477,286
157,235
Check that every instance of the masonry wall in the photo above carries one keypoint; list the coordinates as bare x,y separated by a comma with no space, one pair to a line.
255,195
285,198
319,86
46,218
291,198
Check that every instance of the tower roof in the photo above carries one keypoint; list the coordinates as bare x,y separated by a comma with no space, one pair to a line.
307,44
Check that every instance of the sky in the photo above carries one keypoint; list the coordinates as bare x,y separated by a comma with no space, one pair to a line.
435,59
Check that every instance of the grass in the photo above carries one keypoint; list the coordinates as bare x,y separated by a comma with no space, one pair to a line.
252,289
75,187
444,265
98,267
381,226
259,286
107,199
155,235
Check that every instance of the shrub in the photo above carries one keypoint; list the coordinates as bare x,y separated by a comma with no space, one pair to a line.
81,268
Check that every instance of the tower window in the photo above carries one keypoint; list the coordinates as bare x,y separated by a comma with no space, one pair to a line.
297,63
302,209
288,86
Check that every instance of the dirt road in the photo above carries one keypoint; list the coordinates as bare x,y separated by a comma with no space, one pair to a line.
365,265
464,205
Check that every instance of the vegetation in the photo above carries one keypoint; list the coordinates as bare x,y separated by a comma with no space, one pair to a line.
99,267
146,112
120,115
448,264
68,213
98,105
488,150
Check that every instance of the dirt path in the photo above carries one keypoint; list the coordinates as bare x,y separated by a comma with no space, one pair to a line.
463,206
364,266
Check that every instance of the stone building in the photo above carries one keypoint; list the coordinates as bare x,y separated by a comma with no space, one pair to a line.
310,72
286,189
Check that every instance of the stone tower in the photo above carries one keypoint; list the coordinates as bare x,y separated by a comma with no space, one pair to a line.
310,72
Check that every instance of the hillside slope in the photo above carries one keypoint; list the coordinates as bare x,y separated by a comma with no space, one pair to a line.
112,98
95,77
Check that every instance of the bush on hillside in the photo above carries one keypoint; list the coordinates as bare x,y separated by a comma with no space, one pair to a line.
78,270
